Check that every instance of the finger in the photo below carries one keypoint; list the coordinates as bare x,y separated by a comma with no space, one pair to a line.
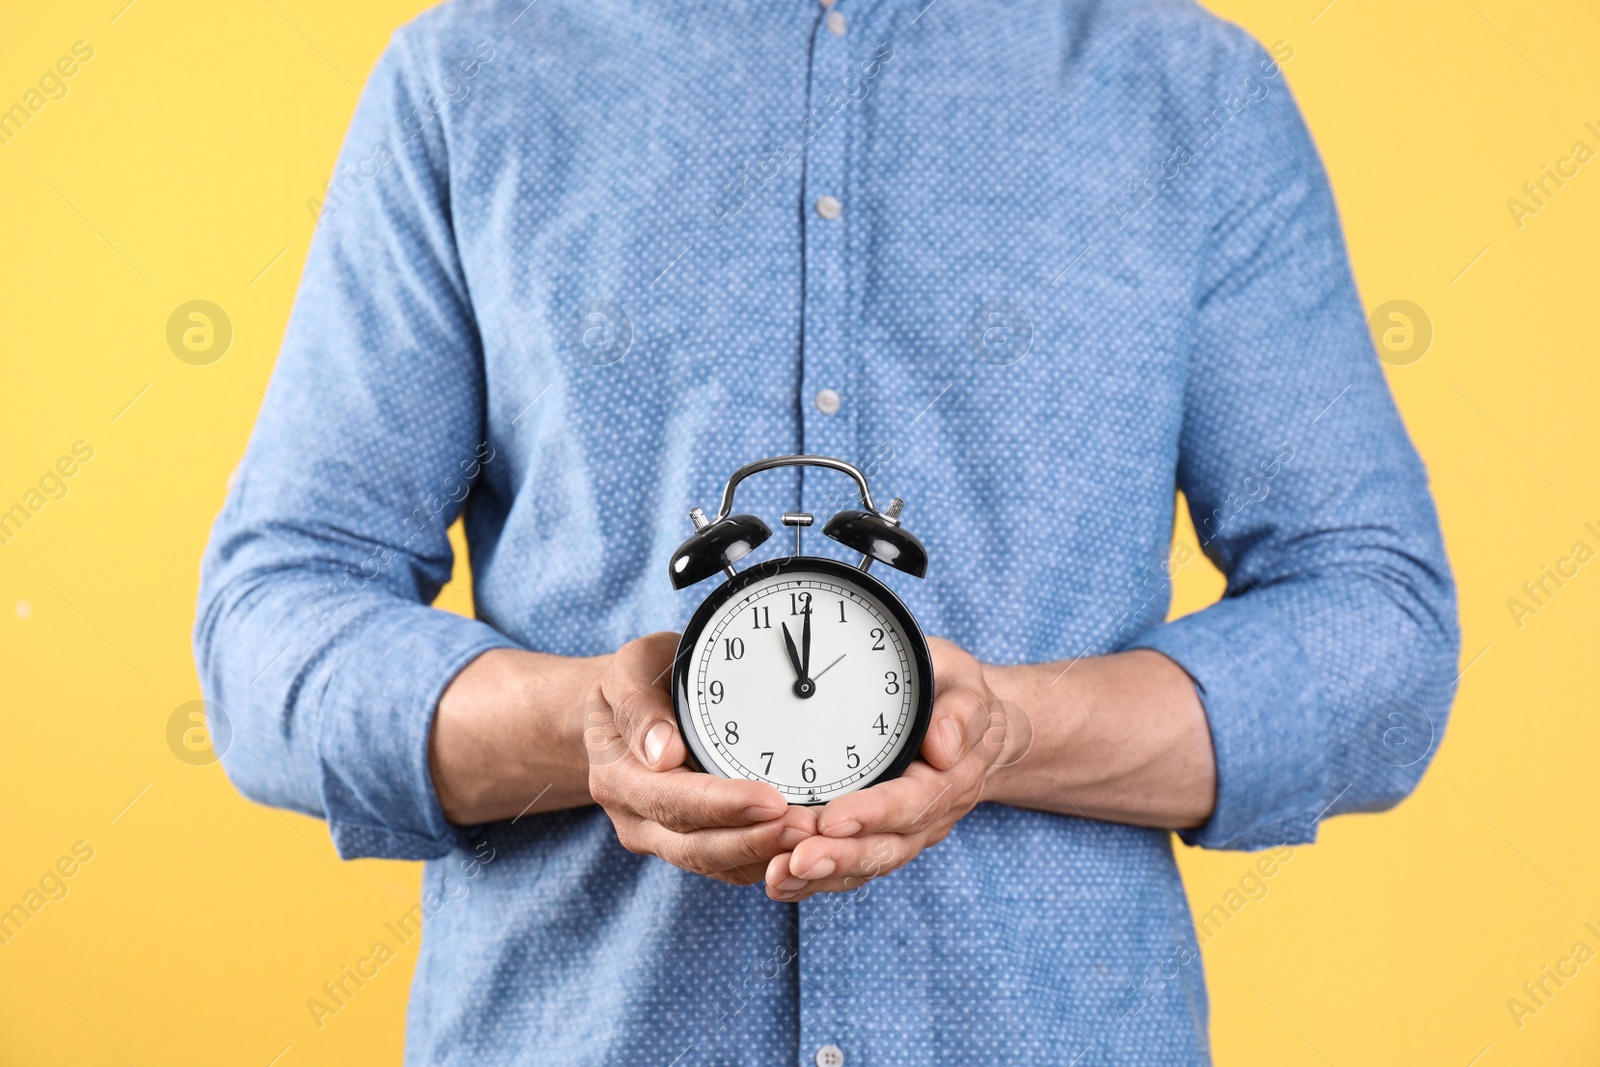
781,881
683,800
722,850
867,856
953,665
915,801
952,733
746,876
743,877
836,866
636,689
778,876
645,838
645,662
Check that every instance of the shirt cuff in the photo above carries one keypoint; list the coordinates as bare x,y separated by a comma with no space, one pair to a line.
1259,690
376,721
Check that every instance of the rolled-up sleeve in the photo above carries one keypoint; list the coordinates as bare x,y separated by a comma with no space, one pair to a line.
1328,668
314,633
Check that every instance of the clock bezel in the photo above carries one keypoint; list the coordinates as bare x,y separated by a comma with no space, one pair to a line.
683,665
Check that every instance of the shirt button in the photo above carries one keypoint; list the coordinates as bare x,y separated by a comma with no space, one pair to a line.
827,402
829,207
830,1056
836,23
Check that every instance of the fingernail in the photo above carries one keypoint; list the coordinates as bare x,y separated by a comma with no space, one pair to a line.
761,812
790,837
952,733
790,884
848,828
823,868
655,742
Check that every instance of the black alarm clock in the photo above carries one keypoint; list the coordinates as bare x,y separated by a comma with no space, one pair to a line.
802,672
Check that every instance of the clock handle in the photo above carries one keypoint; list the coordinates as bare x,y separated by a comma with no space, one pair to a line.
827,462
717,544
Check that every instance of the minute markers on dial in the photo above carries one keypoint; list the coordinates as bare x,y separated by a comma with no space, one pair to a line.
850,734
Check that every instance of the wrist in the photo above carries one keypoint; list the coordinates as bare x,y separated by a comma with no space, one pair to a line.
1039,708
1121,737
508,736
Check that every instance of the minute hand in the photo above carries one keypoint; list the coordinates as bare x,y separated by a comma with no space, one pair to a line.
805,644
803,686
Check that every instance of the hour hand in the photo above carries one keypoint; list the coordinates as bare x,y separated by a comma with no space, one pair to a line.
803,686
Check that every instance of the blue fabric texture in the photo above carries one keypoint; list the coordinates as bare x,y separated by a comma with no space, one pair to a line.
575,267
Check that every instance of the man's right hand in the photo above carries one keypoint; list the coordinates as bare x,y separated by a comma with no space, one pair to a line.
724,828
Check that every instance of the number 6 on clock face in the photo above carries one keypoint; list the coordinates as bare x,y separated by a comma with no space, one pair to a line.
805,673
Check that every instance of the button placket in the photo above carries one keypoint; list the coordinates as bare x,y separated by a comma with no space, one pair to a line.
827,358
828,426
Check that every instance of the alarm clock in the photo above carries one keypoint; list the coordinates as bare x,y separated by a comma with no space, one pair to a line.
803,672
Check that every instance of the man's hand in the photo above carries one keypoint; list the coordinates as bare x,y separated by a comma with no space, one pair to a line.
727,829
1121,737
869,833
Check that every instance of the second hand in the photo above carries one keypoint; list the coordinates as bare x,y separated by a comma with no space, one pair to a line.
828,668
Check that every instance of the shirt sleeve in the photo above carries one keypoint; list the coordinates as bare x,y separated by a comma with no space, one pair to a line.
1328,668
314,635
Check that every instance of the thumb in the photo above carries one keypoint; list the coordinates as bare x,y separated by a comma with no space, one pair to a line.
955,712
640,706
645,721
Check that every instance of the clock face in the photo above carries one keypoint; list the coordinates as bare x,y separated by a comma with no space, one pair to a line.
806,674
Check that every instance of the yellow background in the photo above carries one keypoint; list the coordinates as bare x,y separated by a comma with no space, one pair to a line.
178,167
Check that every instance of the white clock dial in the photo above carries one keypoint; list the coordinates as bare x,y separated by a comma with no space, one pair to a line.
746,718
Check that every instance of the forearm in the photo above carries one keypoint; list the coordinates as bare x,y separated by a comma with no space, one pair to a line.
1121,738
508,736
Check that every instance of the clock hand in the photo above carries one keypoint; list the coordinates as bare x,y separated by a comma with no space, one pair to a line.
794,656
830,666
805,644
803,686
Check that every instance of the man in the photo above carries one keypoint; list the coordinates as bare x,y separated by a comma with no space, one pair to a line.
1035,265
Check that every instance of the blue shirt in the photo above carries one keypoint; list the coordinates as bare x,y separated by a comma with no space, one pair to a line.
576,265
